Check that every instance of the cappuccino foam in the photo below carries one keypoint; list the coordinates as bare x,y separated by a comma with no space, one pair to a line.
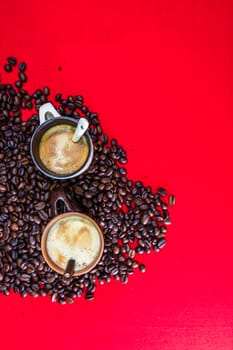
59,153
75,238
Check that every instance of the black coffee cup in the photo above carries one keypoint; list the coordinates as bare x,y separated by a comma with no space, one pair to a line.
49,118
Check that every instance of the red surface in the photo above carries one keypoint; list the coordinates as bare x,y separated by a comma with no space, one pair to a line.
159,73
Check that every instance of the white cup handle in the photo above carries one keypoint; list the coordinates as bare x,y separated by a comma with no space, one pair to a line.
47,111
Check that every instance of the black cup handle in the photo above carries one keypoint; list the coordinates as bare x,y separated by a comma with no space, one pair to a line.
60,195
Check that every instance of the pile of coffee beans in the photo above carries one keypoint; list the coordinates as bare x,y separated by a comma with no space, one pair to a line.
133,219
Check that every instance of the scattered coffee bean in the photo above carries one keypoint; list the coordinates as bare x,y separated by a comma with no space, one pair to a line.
8,68
161,191
172,200
167,221
23,77
161,243
133,219
22,66
12,60
89,296
18,84
46,91
142,267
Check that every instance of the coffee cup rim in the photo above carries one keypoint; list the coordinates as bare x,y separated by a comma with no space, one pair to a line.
43,169
44,237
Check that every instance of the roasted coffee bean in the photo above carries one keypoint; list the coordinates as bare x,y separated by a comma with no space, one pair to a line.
12,60
161,243
130,271
144,219
124,279
142,267
22,66
61,301
89,296
167,221
139,250
22,77
116,250
40,205
163,229
25,277
46,91
172,200
131,253
7,67
161,191
135,264
133,219
18,84
14,227
43,215
3,188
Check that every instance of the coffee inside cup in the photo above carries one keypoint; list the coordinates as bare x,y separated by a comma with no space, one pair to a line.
59,153
73,237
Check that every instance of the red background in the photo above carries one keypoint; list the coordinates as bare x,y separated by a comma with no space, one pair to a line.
159,73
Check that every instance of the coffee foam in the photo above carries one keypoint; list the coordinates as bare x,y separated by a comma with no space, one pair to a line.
59,153
75,238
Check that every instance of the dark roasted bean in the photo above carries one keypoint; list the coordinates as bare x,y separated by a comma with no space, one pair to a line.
167,221
142,267
161,191
144,219
133,219
131,253
40,205
22,77
22,66
139,250
161,243
89,296
46,91
7,68
12,60
124,279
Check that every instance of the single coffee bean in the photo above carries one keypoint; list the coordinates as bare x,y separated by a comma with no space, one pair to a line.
131,253
22,66
161,191
124,279
172,200
40,205
145,218
142,267
61,301
116,250
3,188
22,77
12,60
167,221
161,243
18,84
46,91
89,296
7,67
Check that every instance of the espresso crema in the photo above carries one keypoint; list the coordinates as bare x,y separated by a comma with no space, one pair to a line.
75,238
59,153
